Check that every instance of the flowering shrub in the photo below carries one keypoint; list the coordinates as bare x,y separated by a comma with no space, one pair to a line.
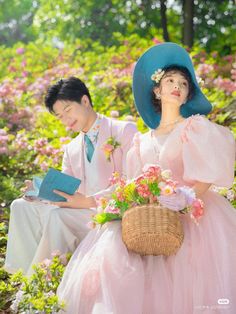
37,294
152,186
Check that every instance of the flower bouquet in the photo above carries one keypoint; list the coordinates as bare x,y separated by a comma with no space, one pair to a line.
150,207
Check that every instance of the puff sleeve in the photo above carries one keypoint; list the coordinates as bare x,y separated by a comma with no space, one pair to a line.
208,152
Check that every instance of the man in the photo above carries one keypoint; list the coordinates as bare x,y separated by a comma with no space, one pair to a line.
36,230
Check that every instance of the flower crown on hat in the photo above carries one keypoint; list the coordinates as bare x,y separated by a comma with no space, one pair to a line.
157,75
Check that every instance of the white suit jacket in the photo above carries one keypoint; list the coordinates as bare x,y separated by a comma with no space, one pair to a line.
73,160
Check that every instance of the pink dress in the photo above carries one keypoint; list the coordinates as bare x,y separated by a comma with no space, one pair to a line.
104,277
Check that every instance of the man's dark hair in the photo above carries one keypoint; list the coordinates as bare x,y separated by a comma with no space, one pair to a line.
71,89
186,74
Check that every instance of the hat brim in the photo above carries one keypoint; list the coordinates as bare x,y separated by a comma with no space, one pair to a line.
159,57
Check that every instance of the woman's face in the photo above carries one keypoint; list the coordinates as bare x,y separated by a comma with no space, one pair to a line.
73,115
173,88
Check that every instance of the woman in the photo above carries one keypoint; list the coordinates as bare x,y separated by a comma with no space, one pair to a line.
103,276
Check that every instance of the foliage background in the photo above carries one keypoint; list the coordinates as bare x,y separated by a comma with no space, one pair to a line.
43,41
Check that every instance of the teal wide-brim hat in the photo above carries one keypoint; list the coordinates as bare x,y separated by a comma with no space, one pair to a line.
159,57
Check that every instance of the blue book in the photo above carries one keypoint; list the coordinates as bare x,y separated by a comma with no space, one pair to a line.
54,180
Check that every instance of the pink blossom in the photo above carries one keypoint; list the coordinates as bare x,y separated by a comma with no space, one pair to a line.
24,73
233,74
204,69
65,139
230,195
120,196
156,40
225,84
167,190
197,213
197,209
111,208
20,50
139,179
56,253
23,63
3,150
197,204
143,190
151,171
46,263
44,166
116,179
108,148
3,138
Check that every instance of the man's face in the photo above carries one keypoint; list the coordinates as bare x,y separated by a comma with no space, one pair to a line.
73,115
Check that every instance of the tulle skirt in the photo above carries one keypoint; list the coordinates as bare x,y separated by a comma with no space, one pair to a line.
104,277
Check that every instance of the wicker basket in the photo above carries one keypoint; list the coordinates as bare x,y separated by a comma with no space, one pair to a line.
152,230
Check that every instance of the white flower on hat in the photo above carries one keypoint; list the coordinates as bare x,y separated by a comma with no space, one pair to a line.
200,81
157,75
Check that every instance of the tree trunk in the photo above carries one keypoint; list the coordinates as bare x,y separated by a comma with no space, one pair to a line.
188,14
164,20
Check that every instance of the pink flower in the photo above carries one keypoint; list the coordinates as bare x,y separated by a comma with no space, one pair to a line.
63,259
111,208
204,69
23,63
230,195
3,150
107,148
197,204
167,190
44,166
115,178
120,196
56,253
143,190
151,172
197,209
20,50
156,40
46,263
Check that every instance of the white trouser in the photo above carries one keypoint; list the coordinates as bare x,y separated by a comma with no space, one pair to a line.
36,230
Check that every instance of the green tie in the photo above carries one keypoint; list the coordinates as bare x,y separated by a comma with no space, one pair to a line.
89,148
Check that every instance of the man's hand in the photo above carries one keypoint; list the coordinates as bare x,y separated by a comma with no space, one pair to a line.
76,200
27,187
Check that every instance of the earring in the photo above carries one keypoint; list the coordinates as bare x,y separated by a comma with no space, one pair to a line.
158,96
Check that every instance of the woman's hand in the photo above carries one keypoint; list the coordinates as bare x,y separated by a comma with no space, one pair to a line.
175,202
76,200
